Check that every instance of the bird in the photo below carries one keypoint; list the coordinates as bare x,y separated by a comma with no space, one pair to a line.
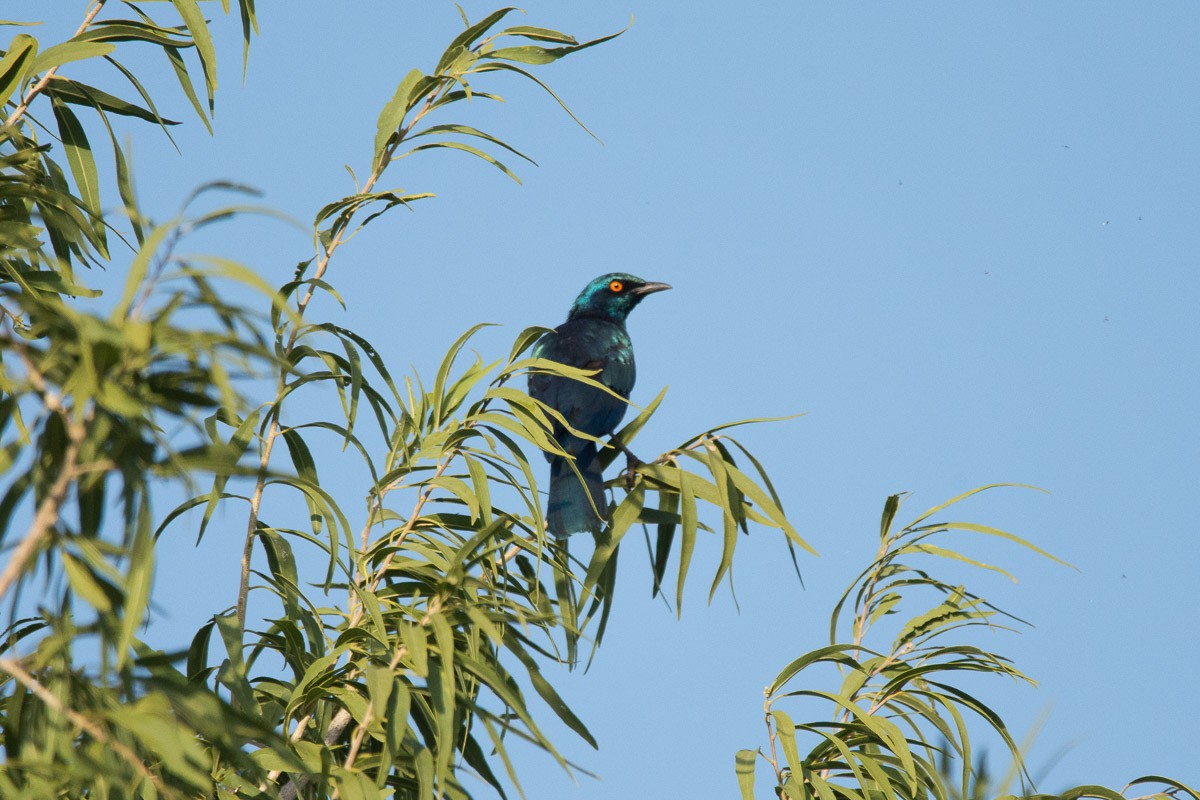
593,338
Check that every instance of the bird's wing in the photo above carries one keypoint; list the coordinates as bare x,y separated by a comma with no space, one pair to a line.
589,347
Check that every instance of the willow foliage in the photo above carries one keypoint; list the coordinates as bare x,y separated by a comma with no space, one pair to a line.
425,638
899,725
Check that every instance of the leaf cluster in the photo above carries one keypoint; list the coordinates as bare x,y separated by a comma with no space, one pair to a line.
901,717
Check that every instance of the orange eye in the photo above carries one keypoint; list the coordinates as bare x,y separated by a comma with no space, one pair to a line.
616,286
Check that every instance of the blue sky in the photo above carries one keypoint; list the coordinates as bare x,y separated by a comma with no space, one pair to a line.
962,237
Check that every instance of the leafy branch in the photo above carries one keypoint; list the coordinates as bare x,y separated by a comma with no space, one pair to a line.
898,714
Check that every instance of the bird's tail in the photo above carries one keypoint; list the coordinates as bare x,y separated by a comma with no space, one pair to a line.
570,510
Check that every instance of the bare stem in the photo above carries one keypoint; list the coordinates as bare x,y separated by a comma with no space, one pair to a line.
771,736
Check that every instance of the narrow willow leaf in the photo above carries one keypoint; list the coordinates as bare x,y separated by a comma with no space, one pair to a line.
392,114
469,36
197,658
883,729
137,583
786,730
1183,787
467,130
481,487
399,702
687,541
942,552
890,507
85,583
848,758
523,342
560,708
466,148
423,766
539,34
80,159
66,52
1091,790
198,28
460,489
16,63
494,66
138,270
965,495
320,673
80,94
179,66
835,653
442,693
49,281
989,531
416,645
668,502
744,763
726,502
281,561
131,30
767,504
533,54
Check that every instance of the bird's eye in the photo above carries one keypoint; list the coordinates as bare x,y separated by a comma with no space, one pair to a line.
616,286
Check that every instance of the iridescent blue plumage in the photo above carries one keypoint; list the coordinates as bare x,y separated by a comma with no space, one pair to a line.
593,338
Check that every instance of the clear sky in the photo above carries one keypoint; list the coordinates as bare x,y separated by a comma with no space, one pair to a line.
961,236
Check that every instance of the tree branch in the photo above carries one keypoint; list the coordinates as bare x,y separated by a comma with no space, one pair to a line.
48,510
83,723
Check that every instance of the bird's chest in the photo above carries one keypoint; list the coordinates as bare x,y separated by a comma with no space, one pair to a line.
595,344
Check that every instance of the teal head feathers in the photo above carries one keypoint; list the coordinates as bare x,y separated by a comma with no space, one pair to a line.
613,296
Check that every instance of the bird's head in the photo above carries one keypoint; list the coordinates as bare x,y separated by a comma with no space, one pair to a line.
613,296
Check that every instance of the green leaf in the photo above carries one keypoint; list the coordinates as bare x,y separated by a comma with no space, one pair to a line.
16,63
836,654
138,269
687,541
786,730
1183,787
194,20
392,114
459,489
989,531
86,583
744,763
185,83
66,52
137,583
466,148
80,94
469,36
965,495
539,34
132,30
79,157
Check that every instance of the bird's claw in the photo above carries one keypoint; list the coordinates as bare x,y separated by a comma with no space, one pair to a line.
632,462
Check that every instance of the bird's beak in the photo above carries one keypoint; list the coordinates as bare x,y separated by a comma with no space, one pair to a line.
650,288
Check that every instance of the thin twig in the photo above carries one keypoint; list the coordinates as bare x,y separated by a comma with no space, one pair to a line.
274,428
83,723
47,515
48,510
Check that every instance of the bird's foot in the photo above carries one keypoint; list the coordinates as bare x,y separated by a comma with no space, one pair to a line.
632,462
